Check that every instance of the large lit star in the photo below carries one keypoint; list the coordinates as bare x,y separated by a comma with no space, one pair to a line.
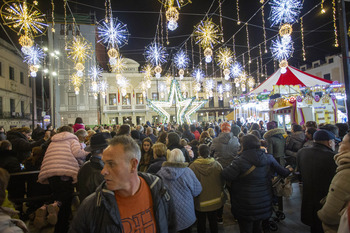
195,106
182,103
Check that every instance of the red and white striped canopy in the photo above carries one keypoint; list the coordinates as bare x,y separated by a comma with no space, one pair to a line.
293,76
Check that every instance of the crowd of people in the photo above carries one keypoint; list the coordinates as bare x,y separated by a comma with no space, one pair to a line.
168,178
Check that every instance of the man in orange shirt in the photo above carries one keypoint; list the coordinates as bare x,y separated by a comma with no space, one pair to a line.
127,201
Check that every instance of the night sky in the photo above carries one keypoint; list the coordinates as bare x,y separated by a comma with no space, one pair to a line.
142,17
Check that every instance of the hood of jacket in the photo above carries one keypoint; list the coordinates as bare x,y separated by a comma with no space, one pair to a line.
255,157
11,135
172,170
224,137
274,132
63,136
202,165
342,159
298,136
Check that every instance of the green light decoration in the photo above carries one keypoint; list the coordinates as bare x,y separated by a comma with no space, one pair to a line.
182,103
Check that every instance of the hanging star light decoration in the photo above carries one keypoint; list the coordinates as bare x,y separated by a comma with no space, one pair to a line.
282,48
224,57
284,11
103,86
119,66
155,54
198,74
77,81
113,33
35,56
79,49
147,70
176,3
174,95
227,89
181,61
207,35
95,73
236,69
23,18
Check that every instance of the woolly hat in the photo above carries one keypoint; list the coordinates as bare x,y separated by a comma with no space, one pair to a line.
225,126
98,141
323,135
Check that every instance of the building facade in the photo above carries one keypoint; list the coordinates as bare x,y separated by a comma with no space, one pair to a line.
16,88
330,69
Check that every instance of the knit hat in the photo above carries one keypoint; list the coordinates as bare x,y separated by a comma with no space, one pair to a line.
323,135
225,126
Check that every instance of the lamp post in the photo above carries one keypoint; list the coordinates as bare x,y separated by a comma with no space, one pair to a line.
345,51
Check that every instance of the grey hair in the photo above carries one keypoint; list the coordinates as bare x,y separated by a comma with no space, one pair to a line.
130,146
81,133
176,156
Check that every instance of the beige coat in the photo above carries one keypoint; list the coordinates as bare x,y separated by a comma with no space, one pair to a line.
338,194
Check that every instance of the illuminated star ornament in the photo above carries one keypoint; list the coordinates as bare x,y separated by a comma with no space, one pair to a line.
224,59
33,58
198,74
282,48
79,49
195,106
207,34
113,33
156,55
284,11
26,20
172,13
236,69
181,61
174,95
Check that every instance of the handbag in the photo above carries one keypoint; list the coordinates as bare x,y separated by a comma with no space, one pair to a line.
282,187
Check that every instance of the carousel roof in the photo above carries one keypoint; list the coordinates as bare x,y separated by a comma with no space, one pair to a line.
293,77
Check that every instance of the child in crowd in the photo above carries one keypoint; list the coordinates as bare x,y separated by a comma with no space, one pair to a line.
207,204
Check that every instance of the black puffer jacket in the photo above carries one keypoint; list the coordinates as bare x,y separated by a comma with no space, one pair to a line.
251,195
99,212
21,144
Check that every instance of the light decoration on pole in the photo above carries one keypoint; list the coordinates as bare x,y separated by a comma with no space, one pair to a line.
284,12
33,58
156,54
181,61
122,83
26,20
224,59
207,35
